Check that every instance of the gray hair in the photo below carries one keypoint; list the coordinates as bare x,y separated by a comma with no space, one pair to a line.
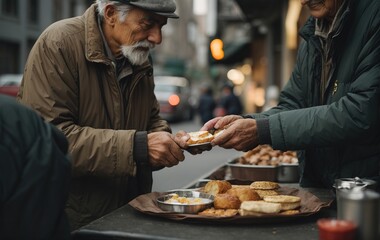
122,8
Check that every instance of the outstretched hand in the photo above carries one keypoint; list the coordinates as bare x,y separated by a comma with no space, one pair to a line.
239,134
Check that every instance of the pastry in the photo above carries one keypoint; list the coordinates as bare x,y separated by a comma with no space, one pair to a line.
199,137
226,201
244,193
264,185
214,187
287,202
254,207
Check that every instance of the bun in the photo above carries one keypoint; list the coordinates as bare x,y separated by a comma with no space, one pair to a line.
226,201
200,137
244,193
254,207
263,193
287,202
219,212
264,185
215,187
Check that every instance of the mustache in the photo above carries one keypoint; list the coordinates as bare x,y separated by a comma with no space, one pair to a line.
144,44
312,3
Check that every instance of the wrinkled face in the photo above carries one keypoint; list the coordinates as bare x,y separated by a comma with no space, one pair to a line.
135,34
322,8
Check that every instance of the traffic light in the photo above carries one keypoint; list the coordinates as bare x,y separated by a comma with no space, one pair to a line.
216,48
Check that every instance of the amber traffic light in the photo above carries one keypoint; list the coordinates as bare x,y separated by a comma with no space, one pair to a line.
216,48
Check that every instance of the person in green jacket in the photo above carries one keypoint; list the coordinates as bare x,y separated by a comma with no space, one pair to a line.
329,109
34,175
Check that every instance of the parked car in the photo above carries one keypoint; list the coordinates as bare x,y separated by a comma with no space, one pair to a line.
10,84
174,95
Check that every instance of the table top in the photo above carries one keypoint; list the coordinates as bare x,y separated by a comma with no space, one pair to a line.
128,223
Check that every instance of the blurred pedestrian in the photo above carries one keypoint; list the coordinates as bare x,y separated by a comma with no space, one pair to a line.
207,104
34,175
229,101
329,109
91,76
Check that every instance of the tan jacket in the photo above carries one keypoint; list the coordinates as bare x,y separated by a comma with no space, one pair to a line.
61,82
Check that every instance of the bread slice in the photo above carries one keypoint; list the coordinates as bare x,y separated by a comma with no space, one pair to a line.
264,185
249,207
263,193
200,137
287,202
218,212
282,199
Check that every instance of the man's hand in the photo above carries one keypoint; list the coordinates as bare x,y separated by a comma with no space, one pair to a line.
240,134
163,151
220,122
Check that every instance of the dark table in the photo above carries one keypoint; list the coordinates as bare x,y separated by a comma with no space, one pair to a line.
128,223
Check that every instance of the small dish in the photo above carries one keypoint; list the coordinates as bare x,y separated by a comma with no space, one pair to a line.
203,201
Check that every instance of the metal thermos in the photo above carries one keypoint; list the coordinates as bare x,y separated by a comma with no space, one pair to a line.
362,206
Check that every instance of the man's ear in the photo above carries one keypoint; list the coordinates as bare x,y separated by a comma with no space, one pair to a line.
110,14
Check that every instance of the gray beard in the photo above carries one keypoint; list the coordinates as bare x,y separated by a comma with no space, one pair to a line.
135,54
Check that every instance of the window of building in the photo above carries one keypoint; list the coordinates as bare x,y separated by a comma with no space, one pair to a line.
33,11
9,57
9,8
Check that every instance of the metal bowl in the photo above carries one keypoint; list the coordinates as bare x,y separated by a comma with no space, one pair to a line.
207,202
350,183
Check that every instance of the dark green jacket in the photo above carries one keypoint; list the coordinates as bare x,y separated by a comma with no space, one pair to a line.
339,137
34,175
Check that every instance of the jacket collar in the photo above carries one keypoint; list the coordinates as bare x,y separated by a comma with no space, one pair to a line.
93,40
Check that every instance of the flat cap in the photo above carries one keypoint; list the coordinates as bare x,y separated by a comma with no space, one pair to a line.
161,7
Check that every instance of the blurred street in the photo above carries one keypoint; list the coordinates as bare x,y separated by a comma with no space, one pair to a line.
194,166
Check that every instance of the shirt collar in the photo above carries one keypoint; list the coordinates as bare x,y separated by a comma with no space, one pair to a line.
323,29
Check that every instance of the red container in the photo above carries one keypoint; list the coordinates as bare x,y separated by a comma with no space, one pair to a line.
333,229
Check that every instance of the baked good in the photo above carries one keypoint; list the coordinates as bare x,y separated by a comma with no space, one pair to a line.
200,137
244,193
218,212
264,185
263,193
290,212
226,201
214,187
252,207
287,202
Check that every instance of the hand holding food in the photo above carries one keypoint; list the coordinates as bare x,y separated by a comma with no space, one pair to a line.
196,142
158,145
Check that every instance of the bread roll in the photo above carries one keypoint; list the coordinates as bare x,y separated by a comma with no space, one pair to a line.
264,185
263,193
251,207
244,193
287,202
217,186
282,199
290,212
219,212
226,201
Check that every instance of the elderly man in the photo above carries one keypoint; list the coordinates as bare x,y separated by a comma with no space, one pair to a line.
329,108
92,78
